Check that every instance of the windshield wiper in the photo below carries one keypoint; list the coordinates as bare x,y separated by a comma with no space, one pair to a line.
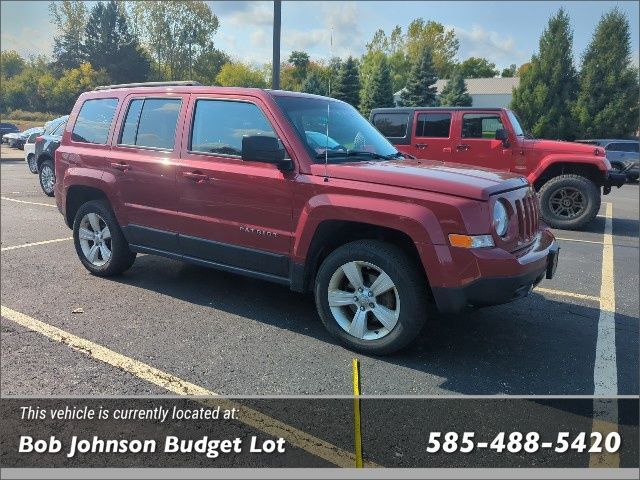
359,153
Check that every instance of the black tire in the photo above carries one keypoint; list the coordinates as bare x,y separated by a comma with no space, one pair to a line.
121,256
409,282
43,169
31,163
587,190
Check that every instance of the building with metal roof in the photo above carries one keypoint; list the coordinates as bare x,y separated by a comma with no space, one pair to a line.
485,92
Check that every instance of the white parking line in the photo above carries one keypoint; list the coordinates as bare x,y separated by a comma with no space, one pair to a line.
35,244
605,371
30,203
253,418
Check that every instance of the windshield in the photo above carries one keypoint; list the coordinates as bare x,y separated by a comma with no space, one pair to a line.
515,124
350,137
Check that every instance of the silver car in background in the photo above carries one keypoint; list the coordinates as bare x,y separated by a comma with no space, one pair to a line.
624,155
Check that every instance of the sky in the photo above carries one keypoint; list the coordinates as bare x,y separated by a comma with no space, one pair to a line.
505,32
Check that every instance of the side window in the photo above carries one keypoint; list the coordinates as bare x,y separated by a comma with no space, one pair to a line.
151,123
130,129
615,147
94,120
60,129
392,124
32,137
434,125
480,125
219,125
623,147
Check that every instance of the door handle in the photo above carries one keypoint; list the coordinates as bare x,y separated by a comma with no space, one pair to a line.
121,166
421,146
197,177
463,148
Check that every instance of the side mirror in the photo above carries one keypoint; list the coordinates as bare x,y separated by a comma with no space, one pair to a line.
501,134
265,149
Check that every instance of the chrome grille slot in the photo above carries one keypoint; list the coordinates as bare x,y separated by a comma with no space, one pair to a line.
529,210
520,214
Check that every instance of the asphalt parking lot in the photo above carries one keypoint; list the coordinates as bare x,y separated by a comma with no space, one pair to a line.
238,336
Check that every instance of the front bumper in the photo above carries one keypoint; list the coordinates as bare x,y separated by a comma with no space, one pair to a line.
613,179
492,276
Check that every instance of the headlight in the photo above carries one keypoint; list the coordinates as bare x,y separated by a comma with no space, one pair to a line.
500,218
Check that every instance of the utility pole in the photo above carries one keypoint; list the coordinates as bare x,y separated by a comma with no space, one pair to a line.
190,76
275,76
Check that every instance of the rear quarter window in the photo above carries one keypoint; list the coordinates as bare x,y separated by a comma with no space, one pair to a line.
94,121
151,123
392,124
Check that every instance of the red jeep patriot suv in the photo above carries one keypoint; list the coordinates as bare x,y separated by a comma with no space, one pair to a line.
567,176
300,190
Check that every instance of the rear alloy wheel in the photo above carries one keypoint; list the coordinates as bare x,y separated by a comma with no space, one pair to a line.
95,239
99,242
569,202
371,296
31,163
47,177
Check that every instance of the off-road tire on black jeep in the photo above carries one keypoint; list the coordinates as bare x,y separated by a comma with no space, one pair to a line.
409,295
555,201
121,257
45,169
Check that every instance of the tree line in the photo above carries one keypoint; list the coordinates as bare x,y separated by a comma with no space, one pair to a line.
121,42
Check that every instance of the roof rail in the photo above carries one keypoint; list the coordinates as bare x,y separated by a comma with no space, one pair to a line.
184,83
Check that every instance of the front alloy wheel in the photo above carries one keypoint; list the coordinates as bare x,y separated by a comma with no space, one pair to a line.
372,296
567,202
364,300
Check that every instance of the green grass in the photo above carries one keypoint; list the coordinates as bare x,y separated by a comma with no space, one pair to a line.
24,119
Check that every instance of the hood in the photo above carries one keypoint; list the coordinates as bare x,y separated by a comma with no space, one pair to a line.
440,177
558,146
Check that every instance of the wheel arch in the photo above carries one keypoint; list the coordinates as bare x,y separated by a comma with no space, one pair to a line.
42,158
554,168
78,195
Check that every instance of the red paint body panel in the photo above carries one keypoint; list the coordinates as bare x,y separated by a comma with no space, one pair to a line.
523,156
257,206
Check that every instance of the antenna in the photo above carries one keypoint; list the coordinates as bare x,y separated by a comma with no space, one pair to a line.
326,147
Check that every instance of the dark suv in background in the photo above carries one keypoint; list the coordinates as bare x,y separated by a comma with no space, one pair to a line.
624,155
7,128
46,145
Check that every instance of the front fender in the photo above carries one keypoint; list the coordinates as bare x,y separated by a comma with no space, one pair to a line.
601,163
416,221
